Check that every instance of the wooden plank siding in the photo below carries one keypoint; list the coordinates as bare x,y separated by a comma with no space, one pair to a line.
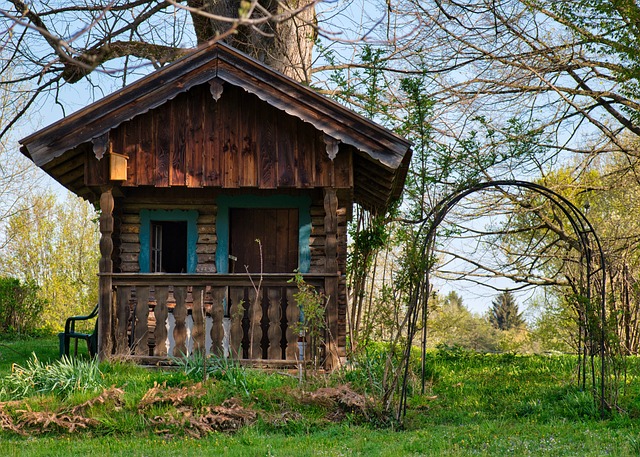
237,142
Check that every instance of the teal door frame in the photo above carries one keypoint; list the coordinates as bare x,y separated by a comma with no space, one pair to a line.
178,215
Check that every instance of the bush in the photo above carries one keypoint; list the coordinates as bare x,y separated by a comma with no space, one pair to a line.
20,307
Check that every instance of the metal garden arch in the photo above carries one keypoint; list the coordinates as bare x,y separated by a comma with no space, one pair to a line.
592,259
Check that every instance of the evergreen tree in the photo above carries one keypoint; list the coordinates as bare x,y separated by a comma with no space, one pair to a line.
504,313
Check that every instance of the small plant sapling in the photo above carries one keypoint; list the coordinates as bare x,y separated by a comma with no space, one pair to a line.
312,323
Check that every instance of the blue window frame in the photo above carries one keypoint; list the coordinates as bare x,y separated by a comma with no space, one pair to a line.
148,216
302,203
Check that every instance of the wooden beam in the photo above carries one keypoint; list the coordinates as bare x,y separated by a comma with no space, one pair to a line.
105,341
331,281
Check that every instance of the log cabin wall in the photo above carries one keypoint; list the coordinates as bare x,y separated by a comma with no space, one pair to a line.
318,259
127,229
127,233
127,246
217,123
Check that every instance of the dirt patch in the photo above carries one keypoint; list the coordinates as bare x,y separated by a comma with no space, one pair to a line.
194,421
229,417
342,396
47,420
340,400
113,395
176,396
7,423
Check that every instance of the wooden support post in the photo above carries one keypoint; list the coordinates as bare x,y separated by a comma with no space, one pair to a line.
331,282
105,341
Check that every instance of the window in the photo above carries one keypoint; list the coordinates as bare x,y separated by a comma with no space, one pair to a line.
168,241
168,246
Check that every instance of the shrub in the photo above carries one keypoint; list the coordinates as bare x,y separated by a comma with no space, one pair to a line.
20,307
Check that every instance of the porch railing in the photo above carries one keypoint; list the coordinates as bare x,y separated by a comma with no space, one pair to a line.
157,315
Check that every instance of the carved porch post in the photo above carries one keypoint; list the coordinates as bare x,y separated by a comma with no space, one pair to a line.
105,342
331,268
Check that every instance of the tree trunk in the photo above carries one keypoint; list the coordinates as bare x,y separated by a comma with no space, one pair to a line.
279,34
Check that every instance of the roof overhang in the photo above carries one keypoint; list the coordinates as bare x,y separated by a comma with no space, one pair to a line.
220,62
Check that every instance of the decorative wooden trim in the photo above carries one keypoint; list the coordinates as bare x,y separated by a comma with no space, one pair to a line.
219,298
100,145
292,312
122,320
161,313
198,331
274,332
141,325
209,279
216,88
332,146
180,316
236,313
105,341
254,310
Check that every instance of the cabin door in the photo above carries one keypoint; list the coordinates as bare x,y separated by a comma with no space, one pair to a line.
277,230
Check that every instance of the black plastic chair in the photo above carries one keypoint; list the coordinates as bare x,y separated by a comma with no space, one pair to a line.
70,332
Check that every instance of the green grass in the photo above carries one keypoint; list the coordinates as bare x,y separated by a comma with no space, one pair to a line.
474,405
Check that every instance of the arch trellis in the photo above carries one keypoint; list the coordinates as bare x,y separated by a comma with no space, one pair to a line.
593,322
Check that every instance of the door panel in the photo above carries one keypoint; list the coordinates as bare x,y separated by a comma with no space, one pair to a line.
277,230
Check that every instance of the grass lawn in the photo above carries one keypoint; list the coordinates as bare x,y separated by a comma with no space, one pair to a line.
475,405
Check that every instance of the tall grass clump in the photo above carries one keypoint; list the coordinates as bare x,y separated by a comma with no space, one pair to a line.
219,368
373,367
61,378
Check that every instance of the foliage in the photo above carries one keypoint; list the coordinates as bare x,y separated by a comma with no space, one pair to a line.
504,313
54,245
60,378
555,327
20,306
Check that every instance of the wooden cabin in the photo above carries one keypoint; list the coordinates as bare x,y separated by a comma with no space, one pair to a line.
191,165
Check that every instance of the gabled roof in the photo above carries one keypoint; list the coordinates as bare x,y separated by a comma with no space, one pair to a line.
383,147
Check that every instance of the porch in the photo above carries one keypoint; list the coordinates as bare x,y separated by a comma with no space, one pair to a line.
156,316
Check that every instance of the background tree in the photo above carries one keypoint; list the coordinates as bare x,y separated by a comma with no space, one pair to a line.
54,245
504,313
452,324
50,45
20,307
17,176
